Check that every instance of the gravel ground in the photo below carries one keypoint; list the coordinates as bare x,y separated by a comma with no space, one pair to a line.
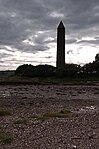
79,130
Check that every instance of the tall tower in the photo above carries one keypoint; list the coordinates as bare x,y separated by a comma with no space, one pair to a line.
60,62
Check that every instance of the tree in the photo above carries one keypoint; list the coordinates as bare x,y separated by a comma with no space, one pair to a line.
35,71
44,70
69,70
29,71
97,57
21,69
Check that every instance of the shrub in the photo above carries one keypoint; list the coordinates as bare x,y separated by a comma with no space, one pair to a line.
69,70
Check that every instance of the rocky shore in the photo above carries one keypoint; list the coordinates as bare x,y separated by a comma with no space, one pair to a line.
22,110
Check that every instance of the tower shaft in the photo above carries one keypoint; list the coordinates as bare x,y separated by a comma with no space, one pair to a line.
60,46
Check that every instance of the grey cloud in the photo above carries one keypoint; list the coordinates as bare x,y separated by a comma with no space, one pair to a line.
89,42
27,21
70,41
32,49
20,20
34,15
4,55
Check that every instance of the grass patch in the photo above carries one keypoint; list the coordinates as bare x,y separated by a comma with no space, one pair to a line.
5,138
61,114
16,80
21,121
1,127
39,117
5,113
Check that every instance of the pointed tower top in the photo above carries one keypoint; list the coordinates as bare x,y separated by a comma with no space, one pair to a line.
61,25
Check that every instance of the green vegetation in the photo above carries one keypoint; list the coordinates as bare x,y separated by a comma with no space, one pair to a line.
46,74
35,71
70,71
61,114
42,117
5,113
38,118
5,138
21,121
1,127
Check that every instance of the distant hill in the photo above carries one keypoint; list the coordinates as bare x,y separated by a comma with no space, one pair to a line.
7,73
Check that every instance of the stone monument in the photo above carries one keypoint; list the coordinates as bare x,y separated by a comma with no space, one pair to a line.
60,62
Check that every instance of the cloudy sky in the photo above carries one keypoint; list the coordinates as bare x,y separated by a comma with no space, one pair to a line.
28,31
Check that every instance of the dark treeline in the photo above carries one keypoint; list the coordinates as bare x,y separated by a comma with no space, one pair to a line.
35,71
69,70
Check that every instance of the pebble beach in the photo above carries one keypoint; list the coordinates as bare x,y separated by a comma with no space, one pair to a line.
26,104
